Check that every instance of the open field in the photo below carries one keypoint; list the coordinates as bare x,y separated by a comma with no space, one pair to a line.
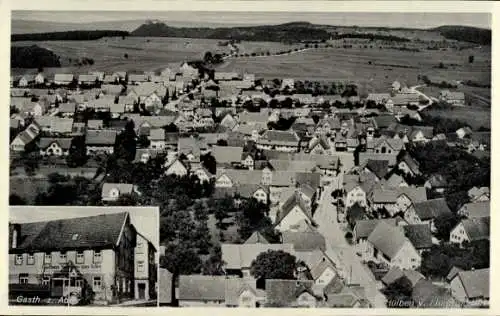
475,116
353,65
144,53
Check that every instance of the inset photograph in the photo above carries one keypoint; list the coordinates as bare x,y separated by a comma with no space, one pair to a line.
93,256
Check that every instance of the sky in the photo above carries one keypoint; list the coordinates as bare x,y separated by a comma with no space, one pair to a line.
392,19
146,220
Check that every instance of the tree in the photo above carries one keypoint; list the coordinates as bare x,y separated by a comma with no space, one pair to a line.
180,259
273,264
209,162
77,152
214,264
126,143
15,199
399,291
471,59
143,141
444,224
222,209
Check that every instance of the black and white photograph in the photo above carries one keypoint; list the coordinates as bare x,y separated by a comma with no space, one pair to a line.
83,256
263,158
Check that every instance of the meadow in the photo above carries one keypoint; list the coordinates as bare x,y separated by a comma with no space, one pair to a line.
143,53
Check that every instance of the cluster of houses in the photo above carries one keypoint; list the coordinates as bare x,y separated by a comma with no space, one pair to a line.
287,169
317,281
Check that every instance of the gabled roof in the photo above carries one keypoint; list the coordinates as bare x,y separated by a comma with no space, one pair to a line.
64,143
411,163
227,154
476,283
379,167
238,256
202,287
82,232
256,238
364,227
477,228
431,209
453,272
383,121
287,207
476,192
279,138
87,78
396,273
123,188
101,137
63,77
428,295
478,209
284,293
388,239
304,241
419,235
236,286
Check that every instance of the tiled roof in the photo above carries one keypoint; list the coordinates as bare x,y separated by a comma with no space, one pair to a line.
419,235
63,77
304,241
294,200
67,107
256,238
101,137
287,138
431,209
476,283
379,167
202,288
396,273
238,256
478,209
411,163
227,154
235,287
364,227
388,239
64,143
82,232
284,293
477,228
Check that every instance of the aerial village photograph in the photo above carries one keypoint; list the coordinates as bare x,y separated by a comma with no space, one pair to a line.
250,159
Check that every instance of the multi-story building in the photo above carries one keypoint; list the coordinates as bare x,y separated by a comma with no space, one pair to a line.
68,256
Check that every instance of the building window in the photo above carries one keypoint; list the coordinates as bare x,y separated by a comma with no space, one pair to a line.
19,259
31,259
46,280
79,283
62,257
80,257
23,278
47,258
140,266
97,256
96,284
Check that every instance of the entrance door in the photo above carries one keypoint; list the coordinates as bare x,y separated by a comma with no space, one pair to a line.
57,288
142,290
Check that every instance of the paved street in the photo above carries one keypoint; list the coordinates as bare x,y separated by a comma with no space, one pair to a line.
340,251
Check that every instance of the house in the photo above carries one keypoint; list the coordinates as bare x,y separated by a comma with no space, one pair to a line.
229,122
472,229
63,79
360,232
201,290
379,168
464,132
409,165
87,79
25,137
286,141
74,248
291,212
157,138
135,79
111,192
394,181
177,168
357,188
39,78
456,98
304,241
227,154
426,294
238,258
26,80
474,210
481,194
436,183
67,109
351,296
472,288
319,145
248,160
384,145
243,292
427,212
392,247
396,199
95,124
54,146
100,141
395,273
291,293
55,125
420,236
